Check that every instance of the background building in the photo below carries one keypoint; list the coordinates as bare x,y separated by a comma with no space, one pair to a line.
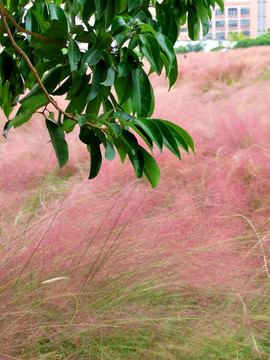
251,17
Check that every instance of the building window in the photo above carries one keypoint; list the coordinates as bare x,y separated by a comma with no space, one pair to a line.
218,12
232,11
220,35
220,24
245,23
232,23
184,30
246,33
208,36
245,11
263,25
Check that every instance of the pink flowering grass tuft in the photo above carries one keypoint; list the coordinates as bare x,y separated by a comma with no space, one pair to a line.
113,259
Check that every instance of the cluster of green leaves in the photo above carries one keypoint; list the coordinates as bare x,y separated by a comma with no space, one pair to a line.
190,48
236,36
259,41
92,52
218,48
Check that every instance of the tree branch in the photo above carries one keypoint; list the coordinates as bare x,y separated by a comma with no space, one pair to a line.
21,29
34,71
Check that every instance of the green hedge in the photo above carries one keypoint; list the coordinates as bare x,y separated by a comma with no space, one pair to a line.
190,48
218,48
259,41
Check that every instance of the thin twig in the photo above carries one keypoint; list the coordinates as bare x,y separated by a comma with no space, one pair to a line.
123,207
259,242
21,29
30,65
32,68
40,241
250,327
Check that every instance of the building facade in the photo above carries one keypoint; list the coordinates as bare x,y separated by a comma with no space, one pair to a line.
250,17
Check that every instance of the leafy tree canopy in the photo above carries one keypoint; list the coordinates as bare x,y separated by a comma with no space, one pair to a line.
91,52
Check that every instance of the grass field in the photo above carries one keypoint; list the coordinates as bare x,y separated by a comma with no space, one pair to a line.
112,269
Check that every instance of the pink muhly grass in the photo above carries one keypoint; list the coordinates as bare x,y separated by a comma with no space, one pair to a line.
200,228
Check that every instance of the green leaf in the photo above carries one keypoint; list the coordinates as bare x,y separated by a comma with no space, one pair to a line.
116,128
121,152
78,83
181,132
107,104
130,141
45,66
179,139
205,26
68,125
97,79
193,24
95,155
133,4
20,119
27,109
57,13
137,161
93,106
13,6
122,6
85,134
124,88
86,37
47,51
166,46
142,94
165,62
57,136
6,129
109,152
127,106
74,54
152,130
122,37
92,56
101,7
33,103
220,4
125,67
83,119
150,49
110,77
78,5
57,31
78,103
50,81
64,88
168,137
119,25
150,169
147,28
173,74
110,13
167,25
40,20
6,65
203,10
88,10
6,98
101,136
137,129
104,40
